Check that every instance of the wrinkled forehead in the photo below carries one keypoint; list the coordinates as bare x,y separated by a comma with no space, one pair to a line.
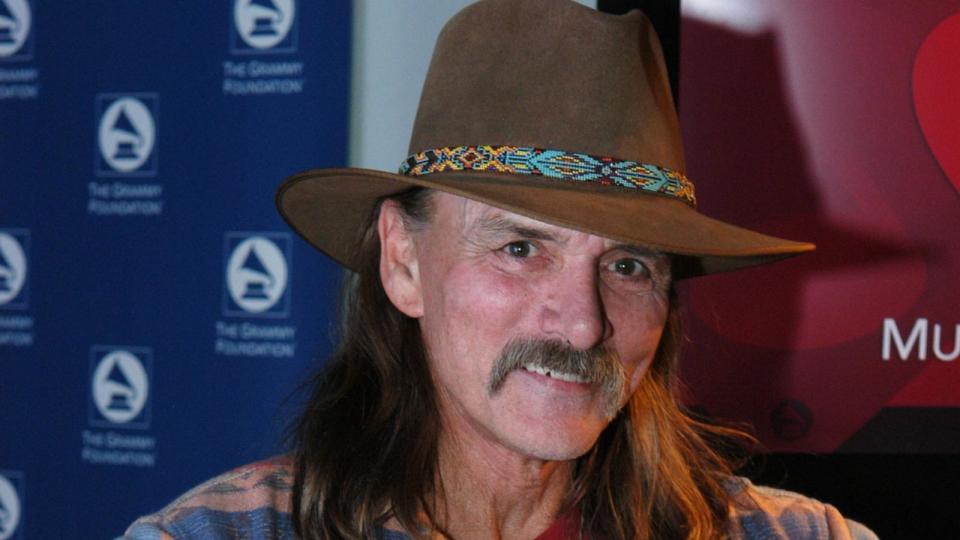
454,212
471,218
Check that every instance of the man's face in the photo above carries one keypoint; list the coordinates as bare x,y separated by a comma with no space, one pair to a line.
486,278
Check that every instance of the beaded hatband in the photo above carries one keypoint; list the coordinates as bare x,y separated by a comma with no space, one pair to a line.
555,164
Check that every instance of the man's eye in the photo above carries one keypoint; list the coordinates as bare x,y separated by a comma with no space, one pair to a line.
629,267
520,249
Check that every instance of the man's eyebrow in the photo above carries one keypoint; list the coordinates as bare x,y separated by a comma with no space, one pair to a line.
639,250
504,225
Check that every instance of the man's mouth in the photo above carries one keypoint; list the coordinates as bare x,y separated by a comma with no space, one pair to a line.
554,374
597,367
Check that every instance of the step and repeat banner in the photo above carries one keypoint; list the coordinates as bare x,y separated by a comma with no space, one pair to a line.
156,315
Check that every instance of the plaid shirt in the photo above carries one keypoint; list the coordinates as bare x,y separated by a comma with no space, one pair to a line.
253,502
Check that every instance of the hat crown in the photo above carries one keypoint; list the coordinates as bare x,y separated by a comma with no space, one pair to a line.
520,87
550,74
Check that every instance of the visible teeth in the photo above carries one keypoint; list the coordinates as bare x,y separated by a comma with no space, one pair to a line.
569,377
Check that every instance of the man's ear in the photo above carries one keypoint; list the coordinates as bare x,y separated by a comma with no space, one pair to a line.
399,270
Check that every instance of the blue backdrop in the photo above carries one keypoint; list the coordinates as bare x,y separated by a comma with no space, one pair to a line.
155,312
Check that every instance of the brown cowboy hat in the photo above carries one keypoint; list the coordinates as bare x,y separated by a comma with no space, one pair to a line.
548,109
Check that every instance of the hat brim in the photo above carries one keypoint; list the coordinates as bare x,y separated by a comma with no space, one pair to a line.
330,208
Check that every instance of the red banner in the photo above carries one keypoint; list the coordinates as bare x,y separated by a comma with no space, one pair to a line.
836,123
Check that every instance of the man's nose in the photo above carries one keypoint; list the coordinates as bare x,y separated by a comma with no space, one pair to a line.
574,309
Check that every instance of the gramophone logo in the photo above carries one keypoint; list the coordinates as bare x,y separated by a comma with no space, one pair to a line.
256,280
264,26
126,134
10,510
13,268
121,386
15,40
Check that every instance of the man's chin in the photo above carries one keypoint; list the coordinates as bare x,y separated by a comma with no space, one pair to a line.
556,443
544,420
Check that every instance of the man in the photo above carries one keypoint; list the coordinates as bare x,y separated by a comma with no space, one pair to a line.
510,332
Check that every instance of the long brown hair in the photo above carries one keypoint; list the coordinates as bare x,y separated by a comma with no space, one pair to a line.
366,443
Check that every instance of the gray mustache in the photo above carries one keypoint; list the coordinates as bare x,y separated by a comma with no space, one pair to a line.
596,365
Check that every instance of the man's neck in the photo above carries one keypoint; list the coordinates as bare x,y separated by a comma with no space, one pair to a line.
489,491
